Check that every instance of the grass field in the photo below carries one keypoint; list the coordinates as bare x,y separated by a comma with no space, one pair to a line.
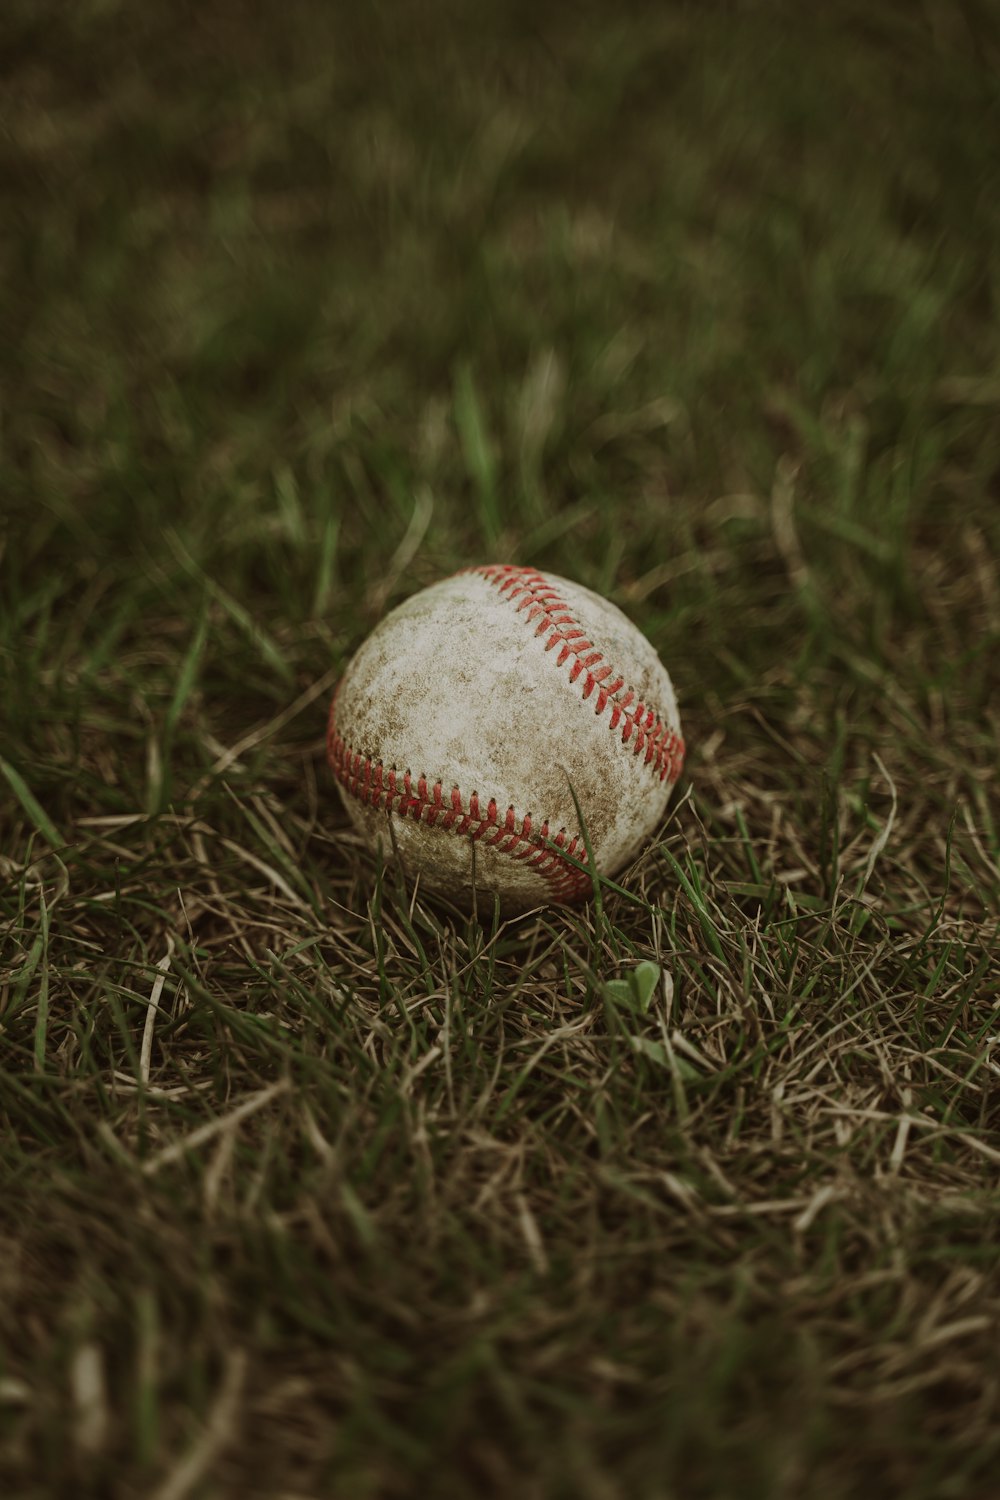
310,1190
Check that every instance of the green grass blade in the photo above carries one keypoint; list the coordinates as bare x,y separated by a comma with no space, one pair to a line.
36,813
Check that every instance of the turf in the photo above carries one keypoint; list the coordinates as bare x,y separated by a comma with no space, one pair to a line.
310,1187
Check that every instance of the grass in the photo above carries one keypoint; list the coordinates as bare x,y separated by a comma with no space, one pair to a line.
309,1188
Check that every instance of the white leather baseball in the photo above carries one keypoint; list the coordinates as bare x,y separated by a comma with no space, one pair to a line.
470,710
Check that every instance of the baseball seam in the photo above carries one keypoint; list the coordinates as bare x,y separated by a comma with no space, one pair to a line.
370,783
642,727
409,796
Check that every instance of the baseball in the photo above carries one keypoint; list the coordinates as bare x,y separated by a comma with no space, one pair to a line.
470,711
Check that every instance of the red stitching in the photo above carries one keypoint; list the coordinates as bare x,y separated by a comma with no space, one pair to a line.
642,729
373,786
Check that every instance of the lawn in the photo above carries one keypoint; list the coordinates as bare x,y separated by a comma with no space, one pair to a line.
311,1189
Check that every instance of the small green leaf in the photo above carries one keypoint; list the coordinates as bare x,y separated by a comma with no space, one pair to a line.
619,991
637,989
644,981
654,1050
658,1053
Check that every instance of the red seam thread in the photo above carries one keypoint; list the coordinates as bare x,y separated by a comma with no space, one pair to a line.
371,784
642,729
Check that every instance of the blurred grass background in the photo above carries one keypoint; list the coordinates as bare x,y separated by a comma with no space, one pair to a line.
307,1192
